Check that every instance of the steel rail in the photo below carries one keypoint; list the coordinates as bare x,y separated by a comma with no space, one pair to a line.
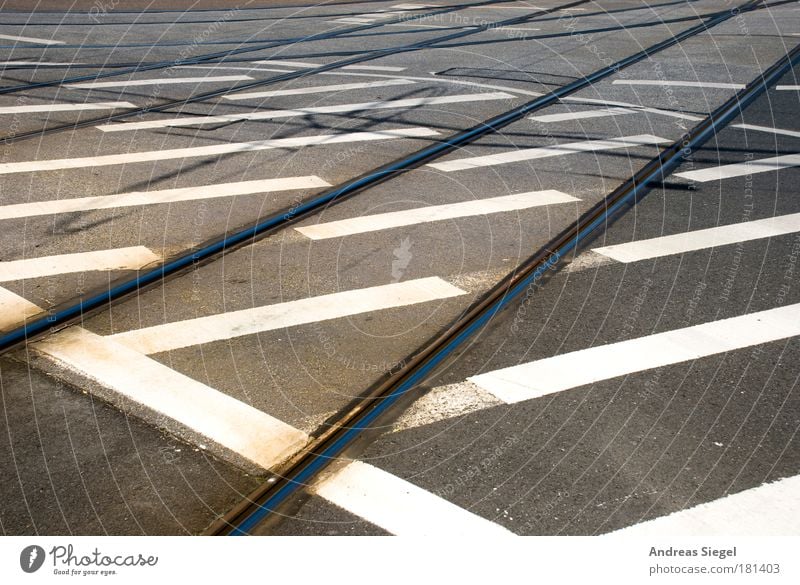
299,471
368,56
65,315
221,54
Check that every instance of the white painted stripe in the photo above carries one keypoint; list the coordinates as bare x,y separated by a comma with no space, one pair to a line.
772,509
570,370
316,89
14,310
337,109
249,321
308,65
121,371
200,411
663,82
751,167
702,239
598,113
444,403
164,196
546,151
787,87
406,24
400,507
351,20
11,63
635,107
374,68
382,221
296,64
502,28
33,40
414,6
208,151
248,69
160,81
769,129
132,258
65,107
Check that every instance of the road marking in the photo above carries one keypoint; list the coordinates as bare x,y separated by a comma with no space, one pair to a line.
296,64
12,63
702,239
160,81
780,131
132,258
204,414
208,151
546,151
664,82
65,107
31,40
581,115
570,370
316,89
270,115
307,65
248,69
444,403
382,221
416,25
771,509
414,6
228,325
750,167
137,383
14,310
787,87
351,20
634,107
374,68
398,506
164,196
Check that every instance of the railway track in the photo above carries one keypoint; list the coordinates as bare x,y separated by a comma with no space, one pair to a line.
270,498
360,414
77,310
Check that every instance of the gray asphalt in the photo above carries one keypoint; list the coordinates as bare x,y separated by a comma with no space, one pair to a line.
601,457
595,443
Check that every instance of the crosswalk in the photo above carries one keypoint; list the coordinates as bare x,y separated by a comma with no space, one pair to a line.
140,198
158,81
211,151
527,154
275,114
121,366
395,11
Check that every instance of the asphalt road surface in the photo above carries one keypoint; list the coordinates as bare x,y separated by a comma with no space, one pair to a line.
648,386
